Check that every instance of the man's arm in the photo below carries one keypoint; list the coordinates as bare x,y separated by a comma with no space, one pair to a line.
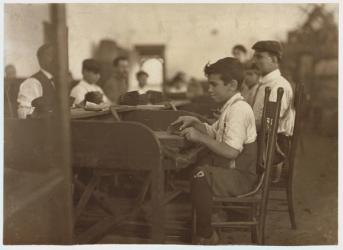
78,93
29,90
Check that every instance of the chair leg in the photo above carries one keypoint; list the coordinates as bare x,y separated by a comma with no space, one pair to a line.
254,228
194,221
261,226
290,205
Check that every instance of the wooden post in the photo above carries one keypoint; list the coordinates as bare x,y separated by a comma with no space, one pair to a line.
158,216
62,122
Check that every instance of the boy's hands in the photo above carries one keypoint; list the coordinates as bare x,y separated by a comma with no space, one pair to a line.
192,134
185,121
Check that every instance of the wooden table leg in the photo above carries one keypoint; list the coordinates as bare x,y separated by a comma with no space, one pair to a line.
158,208
86,195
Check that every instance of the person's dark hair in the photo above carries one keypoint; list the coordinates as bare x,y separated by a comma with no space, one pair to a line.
228,68
140,73
251,66
240,47
273,48
91,65
118,59
42,49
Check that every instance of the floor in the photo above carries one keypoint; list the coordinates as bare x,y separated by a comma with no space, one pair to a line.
316,205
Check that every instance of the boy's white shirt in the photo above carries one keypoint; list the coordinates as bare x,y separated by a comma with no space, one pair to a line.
236,124
82,88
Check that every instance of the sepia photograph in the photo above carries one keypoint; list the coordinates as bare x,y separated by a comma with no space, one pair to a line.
170,123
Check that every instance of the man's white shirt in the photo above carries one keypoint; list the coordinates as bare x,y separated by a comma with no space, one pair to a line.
29,90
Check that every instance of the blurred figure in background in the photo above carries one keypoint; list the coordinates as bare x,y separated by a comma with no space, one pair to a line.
142,79
194,89
10,72
117,84
178,84
82,92
251,80
40,85
240,52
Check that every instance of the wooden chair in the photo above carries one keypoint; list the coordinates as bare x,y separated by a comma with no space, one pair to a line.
109,147
286,182
255,202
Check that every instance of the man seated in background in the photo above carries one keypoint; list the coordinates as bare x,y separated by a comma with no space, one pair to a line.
251,81
142,79
230,166
267,58
87,89
40,85
117,84
194,89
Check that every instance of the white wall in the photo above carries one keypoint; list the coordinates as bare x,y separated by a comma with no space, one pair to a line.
185,29
193,34
24,35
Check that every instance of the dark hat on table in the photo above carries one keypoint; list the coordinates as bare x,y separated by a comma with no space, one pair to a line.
228,67
91,65
268,46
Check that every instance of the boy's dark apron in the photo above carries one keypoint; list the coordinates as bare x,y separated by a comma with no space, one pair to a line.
225,179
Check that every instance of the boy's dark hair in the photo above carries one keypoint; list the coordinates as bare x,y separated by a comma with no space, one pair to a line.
140,73
91,65
229,68
240,47
118,59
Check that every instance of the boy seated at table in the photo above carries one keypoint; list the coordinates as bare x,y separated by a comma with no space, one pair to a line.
230,166
87,89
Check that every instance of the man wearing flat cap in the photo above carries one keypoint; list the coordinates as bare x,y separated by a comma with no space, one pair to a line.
87,89
267,57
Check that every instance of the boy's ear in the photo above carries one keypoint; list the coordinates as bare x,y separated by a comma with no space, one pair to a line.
234,84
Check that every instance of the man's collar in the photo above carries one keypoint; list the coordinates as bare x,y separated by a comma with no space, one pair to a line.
270,76
47,74
85,82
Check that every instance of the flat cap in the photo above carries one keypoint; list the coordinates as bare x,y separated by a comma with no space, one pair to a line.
91,65
269,46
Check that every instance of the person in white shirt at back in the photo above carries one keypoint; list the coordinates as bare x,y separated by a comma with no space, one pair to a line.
142,79
39,85
267,57
88,86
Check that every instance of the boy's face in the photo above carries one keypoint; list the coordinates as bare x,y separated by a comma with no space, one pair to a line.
251,78
218,90
123,67
90,76
240,55
142,80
